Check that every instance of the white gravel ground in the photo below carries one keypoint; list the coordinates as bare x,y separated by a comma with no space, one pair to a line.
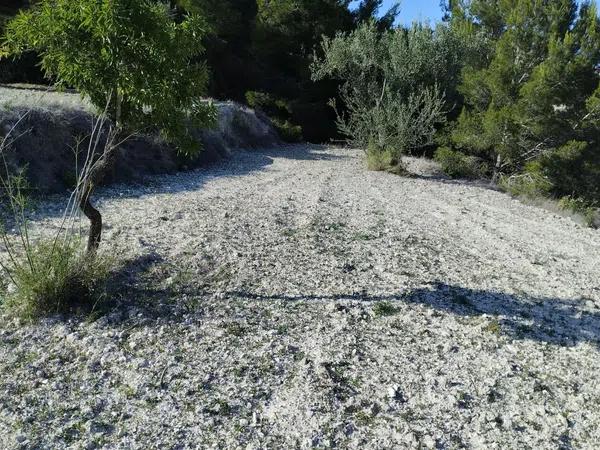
292,299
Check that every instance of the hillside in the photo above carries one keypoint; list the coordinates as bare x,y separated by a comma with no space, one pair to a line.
52,127
288,298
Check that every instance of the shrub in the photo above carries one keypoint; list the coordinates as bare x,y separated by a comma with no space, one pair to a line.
288,131
267,104
590,214
384,160
534,184
573,168
54,277
393,83
458,165
279,111
530,184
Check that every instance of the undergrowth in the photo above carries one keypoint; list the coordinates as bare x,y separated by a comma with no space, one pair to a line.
54,277
47,275
458,165
385,160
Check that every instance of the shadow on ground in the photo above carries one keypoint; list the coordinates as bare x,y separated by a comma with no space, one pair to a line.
442,179
242,162
139,284
302,152
553,320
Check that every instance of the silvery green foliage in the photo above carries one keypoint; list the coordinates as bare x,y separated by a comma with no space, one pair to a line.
128,56
394,83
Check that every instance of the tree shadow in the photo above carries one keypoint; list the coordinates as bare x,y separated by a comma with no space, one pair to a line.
563,322
442,179
303,152
128,288
556,321
138,288
241,163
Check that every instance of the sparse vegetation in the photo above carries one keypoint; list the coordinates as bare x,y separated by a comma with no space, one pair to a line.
493,327
384,309
392,87
591,214
44,276
55,278
458,165
235,329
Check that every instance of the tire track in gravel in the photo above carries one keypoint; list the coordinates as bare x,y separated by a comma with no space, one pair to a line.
332,219
511,247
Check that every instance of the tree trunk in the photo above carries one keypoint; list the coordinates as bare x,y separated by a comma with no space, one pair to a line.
497,169
98,172
101,168
95,218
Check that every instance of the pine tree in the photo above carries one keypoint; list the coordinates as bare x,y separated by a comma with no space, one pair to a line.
534,98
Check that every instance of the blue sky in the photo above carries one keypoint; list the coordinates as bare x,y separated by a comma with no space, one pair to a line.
411,10
421,10
415,10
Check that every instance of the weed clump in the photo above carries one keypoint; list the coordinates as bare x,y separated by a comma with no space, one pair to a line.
384,309
54,277
493,327
40,277
385,161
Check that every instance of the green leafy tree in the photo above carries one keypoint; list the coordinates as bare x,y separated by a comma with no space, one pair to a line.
370,10
228,44
534,100
393,84
284,38
286,34
128,57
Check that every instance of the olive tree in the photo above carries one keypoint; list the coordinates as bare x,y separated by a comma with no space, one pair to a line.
132,60
394,84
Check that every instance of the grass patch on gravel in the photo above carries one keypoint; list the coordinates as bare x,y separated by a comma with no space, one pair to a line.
385,309
55,278
493,327
361,236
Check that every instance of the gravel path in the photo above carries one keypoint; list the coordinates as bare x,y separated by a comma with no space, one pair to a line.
292,299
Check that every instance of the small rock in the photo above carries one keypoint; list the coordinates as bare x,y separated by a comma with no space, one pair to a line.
428,442
349,429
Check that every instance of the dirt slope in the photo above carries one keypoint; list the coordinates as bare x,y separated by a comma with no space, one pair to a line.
289,298
51,137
